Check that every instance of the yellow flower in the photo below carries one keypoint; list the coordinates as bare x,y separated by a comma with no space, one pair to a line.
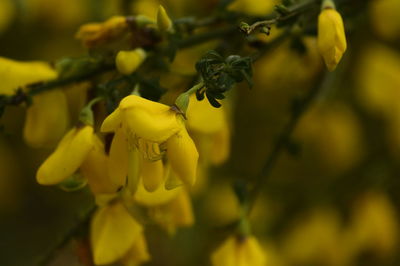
15,74
151,130
138,254
331,37
163,21
175,213
46,119
114,233
385,18
128,61
236,251
95,34
68,156
374,225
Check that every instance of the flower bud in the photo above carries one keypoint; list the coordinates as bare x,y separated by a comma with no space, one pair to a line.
128,61
331,36
163,21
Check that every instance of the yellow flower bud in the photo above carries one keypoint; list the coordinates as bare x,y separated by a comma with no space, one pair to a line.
163,21
331,37
113,232
128,61
239,252
46,119
68,156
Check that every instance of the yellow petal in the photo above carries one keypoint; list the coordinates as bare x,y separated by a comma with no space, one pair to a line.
133,170
16,74
151,173
163,21
112,122
46,119
113,231
68,156
202,117
331,37
138,254
128,61
94,168
225,255
252,253
181,210
153,127
117,164
182,155
134,101
158,197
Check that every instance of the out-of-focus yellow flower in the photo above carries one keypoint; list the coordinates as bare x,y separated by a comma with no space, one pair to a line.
69,155
114,233
150,128
47,119
284,68
18,74
163,21
253,7
128,61
378,80
94,34
175,213
333,136
138,254
385,18
209,124
7,13
374,225
331,37
237,251
315,239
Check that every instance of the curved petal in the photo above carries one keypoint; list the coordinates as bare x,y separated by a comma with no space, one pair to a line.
153,127
112,122
183,156
134,101
113,231
158,197
68,156
151,173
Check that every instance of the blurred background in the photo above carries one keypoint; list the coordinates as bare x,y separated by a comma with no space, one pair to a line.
333,196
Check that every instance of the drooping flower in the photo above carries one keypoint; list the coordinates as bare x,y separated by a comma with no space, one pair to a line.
151,130
237,251
331,35
116,235
163,20
67,157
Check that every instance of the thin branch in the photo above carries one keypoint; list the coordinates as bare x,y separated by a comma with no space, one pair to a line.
284,137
